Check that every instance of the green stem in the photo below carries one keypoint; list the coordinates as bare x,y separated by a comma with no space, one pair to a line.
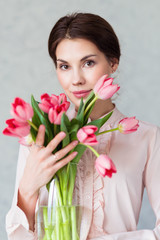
73,223
58,223
55,129
47,227
32,124
72,169
90,104
60,202
111,130
92,149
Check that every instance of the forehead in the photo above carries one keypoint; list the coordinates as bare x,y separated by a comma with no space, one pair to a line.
75,48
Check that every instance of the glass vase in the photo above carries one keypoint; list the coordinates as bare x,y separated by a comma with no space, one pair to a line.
63,223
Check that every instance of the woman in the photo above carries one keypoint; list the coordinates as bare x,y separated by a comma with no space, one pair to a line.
84,47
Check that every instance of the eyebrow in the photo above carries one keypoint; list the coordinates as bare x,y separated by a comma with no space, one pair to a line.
82,59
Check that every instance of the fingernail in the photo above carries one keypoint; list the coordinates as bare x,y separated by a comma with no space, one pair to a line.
41,127
75,143
62,134
74,154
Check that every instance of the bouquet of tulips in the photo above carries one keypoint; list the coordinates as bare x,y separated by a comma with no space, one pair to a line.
51,112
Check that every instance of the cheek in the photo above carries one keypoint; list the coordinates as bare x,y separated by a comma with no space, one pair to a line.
63,81
98,73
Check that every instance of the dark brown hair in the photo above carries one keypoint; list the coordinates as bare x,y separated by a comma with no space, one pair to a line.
86,26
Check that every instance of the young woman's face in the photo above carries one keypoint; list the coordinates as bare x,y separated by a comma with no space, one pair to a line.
79,66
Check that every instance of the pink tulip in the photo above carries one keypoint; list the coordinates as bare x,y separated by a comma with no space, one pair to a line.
86,135
45,104
56,113
105,166
21,111
16,129
128,125
55,106
104,88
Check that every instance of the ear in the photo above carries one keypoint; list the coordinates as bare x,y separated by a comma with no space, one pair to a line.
114,64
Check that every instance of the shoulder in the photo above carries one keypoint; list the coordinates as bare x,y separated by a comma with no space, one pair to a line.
148,129
146,133
144,126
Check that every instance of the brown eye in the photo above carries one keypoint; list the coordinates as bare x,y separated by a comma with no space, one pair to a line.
64,67
89,63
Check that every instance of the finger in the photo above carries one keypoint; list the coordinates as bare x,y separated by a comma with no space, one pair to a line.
40,136
61,153
64,161
54,142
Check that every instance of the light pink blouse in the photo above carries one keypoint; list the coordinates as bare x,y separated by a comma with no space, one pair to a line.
111,206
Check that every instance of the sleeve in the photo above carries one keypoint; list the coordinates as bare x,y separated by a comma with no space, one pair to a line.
17,225
151,182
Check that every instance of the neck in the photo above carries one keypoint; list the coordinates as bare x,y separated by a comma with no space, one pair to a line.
101,108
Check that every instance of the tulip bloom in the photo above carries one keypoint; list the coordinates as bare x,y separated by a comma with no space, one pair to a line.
104,88
128,125
86,135
55,106
16,129
21,111
105,166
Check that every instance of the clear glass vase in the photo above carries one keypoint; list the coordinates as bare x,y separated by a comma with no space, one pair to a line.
63,223
60,218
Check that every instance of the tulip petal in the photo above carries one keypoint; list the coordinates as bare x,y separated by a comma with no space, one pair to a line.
128,125
105,165
81,135
99,83
100,170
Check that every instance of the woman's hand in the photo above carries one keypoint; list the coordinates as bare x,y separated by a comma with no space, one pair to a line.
41,164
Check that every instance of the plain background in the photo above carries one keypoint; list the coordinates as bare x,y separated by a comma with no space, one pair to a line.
25,67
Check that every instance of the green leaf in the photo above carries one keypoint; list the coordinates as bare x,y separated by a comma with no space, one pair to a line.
80,114
89,99
73,136
33,133
80,149
41,119
99,122
80,107
87,114
74,125
65,124
36,121
83,118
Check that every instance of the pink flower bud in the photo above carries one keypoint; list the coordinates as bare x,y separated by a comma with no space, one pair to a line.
21,111
128,125
86,135
104,88
105,166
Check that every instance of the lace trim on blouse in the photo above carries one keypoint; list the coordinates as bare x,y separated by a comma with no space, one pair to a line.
96,229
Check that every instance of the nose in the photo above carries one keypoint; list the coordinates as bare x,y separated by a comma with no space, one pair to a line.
78,77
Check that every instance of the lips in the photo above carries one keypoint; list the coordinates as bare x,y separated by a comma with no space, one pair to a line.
82,93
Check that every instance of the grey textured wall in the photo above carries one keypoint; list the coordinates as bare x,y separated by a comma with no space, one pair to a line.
25,67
